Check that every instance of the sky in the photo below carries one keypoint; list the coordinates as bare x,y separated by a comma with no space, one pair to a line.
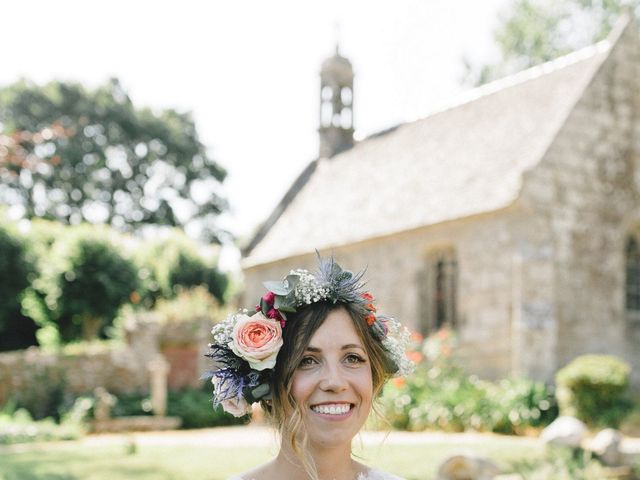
248,70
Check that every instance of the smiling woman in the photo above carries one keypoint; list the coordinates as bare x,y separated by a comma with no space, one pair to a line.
315,355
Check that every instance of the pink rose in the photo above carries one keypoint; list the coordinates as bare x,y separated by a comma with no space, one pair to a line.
237,407
257,339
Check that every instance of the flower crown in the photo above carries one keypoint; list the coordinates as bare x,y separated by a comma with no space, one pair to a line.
245,346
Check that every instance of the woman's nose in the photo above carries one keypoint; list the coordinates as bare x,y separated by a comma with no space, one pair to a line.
333,379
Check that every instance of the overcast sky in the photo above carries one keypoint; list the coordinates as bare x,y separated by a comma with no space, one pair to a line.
248,69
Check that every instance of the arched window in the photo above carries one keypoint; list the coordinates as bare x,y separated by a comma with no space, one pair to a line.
632,277
438,297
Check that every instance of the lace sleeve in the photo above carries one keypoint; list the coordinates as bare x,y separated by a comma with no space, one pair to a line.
374,474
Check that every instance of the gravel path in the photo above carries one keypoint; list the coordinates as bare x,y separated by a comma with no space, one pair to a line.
265,437
253,436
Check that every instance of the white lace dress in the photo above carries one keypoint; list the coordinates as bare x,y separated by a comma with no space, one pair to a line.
372,474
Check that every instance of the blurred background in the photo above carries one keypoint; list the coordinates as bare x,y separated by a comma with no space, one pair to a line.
159,160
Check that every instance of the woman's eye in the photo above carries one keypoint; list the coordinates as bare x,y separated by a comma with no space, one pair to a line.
307,361
354,358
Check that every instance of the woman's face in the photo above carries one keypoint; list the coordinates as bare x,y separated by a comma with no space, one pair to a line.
333,383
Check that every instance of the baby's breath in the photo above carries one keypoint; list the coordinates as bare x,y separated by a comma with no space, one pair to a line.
395,343
222,332
308,290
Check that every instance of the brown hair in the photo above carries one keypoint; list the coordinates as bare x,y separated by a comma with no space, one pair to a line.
282,410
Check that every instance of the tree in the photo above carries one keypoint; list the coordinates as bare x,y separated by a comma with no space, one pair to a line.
83,281
72,154
531,32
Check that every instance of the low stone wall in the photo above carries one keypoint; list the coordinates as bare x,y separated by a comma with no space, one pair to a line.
119,369
34,372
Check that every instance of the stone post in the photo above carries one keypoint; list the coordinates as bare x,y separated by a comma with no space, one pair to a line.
103,403
158,371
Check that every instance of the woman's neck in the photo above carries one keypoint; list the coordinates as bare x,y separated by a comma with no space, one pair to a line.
331,463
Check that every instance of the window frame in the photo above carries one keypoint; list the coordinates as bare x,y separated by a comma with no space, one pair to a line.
632,263
439,291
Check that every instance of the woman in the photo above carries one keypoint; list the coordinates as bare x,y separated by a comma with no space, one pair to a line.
315,354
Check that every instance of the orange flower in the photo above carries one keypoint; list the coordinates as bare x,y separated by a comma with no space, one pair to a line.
371,318
370,307
443,334
134,297
398,382
415,357
416,337
367,296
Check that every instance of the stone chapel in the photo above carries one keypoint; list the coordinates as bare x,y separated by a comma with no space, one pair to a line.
511,217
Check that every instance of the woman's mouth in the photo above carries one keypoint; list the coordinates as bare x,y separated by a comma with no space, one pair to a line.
333,409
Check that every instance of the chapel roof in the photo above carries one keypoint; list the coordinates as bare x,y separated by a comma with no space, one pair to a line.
468,158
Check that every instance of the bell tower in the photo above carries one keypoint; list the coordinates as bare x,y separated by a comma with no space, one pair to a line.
336,105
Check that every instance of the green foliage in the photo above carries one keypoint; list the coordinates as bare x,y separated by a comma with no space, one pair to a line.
84,274
174,264
195,409
87,281
561,464
531,32
18,426
16,271
14,274
82,280
440,395
93,156
40,239
188,305
631,424
193,406
594,389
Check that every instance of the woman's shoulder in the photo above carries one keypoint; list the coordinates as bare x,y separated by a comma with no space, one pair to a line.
375,474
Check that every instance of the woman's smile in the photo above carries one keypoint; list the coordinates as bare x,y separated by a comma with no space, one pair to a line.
333,412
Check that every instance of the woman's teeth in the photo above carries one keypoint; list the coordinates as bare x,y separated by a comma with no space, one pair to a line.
334,409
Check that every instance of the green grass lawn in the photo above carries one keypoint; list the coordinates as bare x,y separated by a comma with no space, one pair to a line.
116,462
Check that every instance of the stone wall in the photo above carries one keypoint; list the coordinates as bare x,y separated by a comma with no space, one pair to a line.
585,189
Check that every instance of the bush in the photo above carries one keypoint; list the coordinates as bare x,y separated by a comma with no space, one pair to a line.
14,272
440,395
195,409
193,406
16,330
174,264
631,424
560,463
18,426
594,388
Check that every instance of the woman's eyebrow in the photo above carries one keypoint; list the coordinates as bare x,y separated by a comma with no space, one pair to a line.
344,347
